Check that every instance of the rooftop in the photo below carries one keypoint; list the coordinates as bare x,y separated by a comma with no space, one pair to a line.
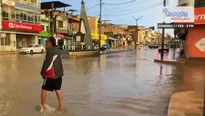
57,4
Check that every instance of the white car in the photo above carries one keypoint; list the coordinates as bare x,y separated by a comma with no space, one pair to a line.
33,48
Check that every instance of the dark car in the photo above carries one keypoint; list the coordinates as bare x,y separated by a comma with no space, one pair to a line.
166,48
153,46
104,47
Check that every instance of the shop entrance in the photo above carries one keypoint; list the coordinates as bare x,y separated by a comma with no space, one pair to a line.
24,40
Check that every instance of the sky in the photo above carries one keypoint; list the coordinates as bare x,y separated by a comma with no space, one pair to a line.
124,13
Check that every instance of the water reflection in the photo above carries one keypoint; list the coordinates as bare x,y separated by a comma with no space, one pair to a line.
120,84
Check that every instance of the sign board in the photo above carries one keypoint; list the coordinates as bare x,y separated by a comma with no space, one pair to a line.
173,25
21,26
199,16
201,45
182,14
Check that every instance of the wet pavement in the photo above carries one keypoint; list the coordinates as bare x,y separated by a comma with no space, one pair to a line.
118,84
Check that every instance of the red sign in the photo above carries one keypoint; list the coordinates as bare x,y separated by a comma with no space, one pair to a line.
199,16
21,26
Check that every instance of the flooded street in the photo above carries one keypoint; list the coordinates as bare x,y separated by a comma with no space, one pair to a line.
118,84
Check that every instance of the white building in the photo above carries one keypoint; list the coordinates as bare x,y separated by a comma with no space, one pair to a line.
20,22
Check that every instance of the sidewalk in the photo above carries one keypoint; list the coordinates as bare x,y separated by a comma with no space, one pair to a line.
171,59
172,62
187,99
185,104
7,53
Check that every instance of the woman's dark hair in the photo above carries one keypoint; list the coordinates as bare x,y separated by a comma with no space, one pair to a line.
52,40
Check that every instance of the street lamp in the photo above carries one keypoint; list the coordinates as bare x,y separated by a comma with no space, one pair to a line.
137,19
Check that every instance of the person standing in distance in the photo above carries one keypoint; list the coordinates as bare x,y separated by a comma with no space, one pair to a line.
52,72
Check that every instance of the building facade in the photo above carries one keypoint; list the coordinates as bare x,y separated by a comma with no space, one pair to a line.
194,44
45,24
20,21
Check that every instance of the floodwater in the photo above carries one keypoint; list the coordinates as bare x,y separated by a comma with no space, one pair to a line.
119,84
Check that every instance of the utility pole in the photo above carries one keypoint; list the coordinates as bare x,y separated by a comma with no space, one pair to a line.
163,32
175,37
71,24
100,25
137,19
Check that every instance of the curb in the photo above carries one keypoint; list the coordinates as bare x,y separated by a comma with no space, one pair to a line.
95,55
185,104
7,54
170,62
117,51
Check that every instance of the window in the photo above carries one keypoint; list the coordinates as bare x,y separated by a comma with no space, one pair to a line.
30,18
25,16
43,29
12,13
60,24
5,13
17,15
47,28
2,41
21,16
6,40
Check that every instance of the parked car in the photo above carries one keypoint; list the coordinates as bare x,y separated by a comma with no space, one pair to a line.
166,48
153,46
104,47
32,48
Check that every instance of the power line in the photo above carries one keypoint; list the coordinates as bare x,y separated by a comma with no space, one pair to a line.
114,9
92,7
129,7
136,10
121,3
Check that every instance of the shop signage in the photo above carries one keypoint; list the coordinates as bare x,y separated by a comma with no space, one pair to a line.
8,2
174,25
199,16
21,26
177,14
201,45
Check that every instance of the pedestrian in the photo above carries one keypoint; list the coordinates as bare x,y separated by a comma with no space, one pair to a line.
52,72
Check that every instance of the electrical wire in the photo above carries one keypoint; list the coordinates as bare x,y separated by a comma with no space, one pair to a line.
136,11
92,7
134,4
121,3
129,7
114,9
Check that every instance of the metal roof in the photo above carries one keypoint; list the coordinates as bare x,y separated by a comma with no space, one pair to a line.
57,4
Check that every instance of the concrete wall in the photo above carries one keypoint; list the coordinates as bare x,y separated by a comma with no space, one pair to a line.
65,22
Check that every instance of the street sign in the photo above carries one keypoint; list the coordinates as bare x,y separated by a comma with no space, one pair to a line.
173,25
201,45
180,14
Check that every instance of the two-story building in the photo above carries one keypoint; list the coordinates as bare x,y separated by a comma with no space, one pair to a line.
61,28
20,21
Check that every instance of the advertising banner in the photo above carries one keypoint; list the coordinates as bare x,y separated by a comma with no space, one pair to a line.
199,16
182,14
21,26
